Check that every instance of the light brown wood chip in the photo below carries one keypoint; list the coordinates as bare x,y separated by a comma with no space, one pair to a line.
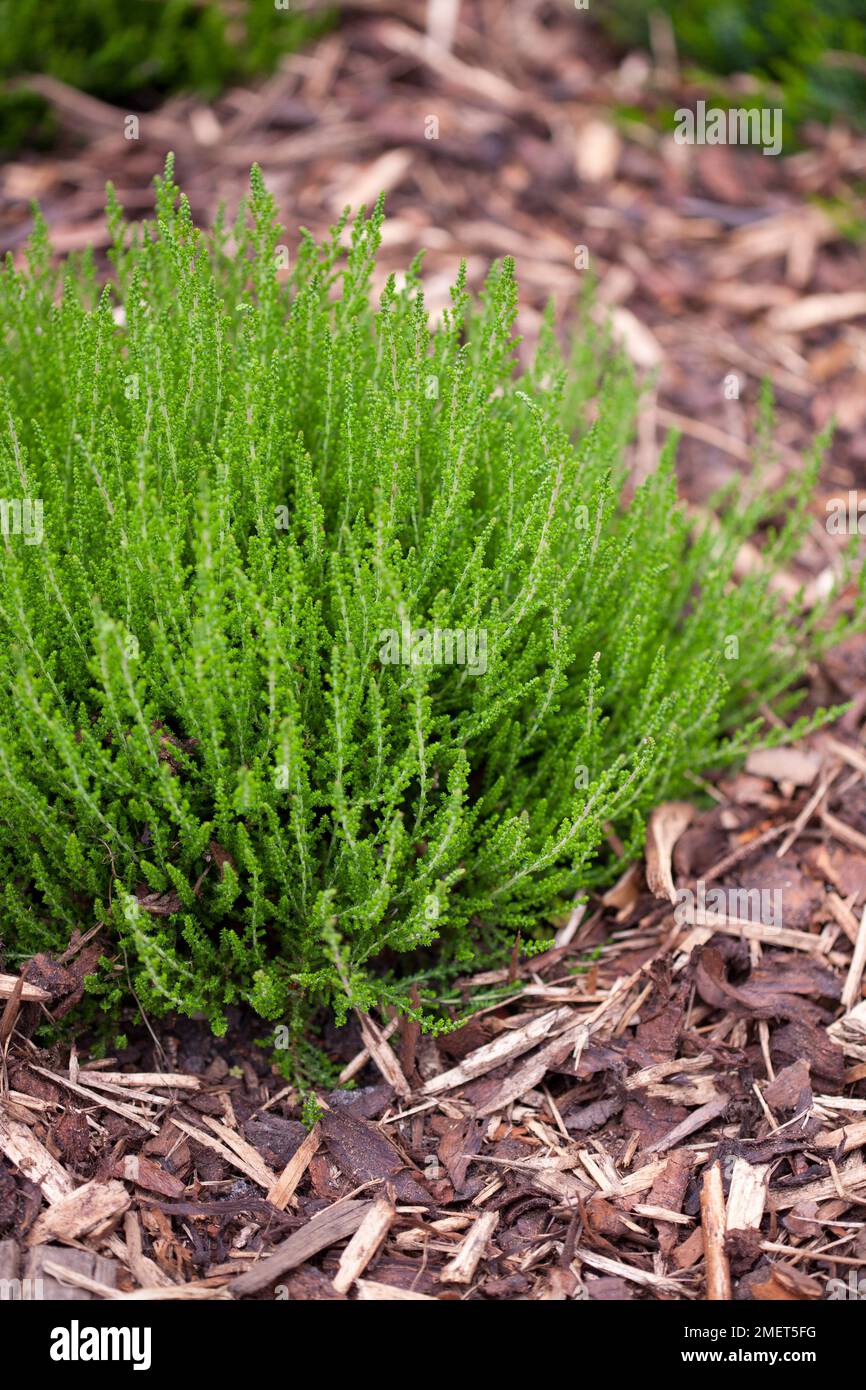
90,1206
127,1111
383,1055
851,989
141,1080
26,1153
70,1275
232,1148
510,1043
747,1196
461,1269
620,1269
31,994
145,1271
284,1188
852,1178
364,1244
666,825
371,1291
713,1225
814,310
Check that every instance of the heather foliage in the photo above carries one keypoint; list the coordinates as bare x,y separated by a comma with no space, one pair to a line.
328,647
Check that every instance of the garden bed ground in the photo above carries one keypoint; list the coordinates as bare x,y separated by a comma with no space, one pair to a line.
557,1146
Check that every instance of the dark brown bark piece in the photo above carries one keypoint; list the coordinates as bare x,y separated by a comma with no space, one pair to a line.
799,1039
791,1090
363,1154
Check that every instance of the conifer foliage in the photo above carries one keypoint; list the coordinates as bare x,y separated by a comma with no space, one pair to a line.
330,651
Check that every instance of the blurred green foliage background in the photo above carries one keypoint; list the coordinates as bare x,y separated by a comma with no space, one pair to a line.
814,49
139,50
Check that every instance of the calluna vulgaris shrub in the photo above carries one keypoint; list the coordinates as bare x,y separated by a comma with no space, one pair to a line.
329,652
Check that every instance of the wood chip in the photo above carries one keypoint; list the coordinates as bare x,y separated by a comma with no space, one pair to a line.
69,1275
8,1260
815,310
508,1044
384,1056
127,1111
230,1146
141,1080
31,994
666,824
636,338
326,1229
461,1270
26,1153
360,1060
854,979
784,765
10,1013
700,1117
843,831
372,1292
283,1190
364,1244
713,1223
785,1284
620,1269
526,1076
852,1177
747,1196
89,1207
597,149
144,1270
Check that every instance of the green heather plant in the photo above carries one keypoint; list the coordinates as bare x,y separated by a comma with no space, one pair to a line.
329,648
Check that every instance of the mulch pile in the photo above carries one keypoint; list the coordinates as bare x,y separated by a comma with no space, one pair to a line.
674,1105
